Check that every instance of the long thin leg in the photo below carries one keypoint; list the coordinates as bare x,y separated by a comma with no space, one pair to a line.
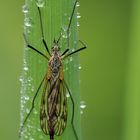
41,26
72,119
59,37
29,46
42,32
76,50
83,43
69,25
65,52
33,101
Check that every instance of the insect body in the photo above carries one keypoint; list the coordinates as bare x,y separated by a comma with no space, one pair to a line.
53,112
53,109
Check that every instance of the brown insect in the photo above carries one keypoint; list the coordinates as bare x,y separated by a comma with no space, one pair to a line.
53,110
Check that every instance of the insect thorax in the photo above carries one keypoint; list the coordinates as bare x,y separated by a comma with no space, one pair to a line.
55,64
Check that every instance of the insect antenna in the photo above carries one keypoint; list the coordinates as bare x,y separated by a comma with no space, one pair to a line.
33,101
59,38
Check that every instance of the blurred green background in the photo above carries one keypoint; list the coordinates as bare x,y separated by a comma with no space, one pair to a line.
110,73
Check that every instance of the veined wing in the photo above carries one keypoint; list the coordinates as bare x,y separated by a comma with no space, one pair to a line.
53,112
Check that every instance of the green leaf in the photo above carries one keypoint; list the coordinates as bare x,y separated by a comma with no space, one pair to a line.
55,19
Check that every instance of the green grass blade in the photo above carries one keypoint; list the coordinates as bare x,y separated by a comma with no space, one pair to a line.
55,16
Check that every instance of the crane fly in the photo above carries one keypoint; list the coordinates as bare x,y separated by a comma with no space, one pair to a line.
53,110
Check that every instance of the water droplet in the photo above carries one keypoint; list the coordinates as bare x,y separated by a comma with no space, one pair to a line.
78,24
26,68
26,98
35,112
71,59
27,110
24,61
78,15
26,137
31,138
21,91
39,129
21,78
29,126
82,104
64,32
81,112
27,22
67,95
30,79
73,50
78,4
25,9
40,3
79,67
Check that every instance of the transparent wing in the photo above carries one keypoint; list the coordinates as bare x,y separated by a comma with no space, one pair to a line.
53,111
61,110
43,109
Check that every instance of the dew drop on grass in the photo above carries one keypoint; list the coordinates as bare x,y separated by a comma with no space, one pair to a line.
78,4
26,98
35,112
29,79
25,9
64,32
79,67
27,22
27,110
78,24
21,78
40,3
82,106
39,130
67,95
26,68
78,15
